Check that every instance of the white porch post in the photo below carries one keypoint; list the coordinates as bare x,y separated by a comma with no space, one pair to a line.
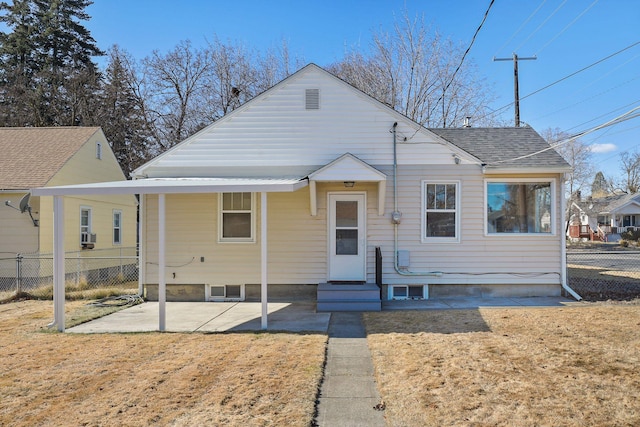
263,260
58,262
162,280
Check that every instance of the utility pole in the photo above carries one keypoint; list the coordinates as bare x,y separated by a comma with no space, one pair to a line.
516,94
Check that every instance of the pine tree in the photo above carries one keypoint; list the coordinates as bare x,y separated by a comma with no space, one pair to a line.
48,76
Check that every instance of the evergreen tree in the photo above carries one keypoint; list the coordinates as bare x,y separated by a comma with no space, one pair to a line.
599,187
121,112
48,76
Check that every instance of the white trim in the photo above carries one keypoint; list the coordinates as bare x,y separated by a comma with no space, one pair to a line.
423,216
210,297
89,225
390,296
252,212
113,227
176,186
58,263
263,260
162,275
362,237
516,180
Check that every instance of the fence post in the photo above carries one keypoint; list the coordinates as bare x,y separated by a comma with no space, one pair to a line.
18,273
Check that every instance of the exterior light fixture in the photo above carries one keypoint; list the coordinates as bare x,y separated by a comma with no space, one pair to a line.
349,184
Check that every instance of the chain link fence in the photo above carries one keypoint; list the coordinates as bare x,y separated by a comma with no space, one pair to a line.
89,274
604,275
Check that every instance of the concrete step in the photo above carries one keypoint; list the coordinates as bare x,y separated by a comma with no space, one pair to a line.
348,305
348,297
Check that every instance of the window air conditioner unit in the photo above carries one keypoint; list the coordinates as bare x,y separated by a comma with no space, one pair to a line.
88,240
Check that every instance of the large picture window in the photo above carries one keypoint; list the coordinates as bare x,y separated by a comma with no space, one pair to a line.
441,211
519,207
236,217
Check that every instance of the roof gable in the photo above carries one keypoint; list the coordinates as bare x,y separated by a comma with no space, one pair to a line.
348,168
280,134
32,156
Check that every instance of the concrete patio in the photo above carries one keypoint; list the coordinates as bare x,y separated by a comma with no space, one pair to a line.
283,316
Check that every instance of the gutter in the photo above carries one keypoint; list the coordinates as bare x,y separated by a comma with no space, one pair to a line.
396,216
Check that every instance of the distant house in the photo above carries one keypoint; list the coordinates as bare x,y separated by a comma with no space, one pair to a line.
313,189
53,156
604,218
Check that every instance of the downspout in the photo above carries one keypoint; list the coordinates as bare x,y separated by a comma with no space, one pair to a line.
397,215
563,247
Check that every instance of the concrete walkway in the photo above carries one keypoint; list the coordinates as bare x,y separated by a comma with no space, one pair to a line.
348,394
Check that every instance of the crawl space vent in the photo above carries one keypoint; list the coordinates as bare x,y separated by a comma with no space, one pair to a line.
312,99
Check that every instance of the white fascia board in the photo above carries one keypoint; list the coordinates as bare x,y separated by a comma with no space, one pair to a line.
525,170
174,186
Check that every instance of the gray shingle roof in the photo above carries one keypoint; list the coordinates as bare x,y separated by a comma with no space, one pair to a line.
498,147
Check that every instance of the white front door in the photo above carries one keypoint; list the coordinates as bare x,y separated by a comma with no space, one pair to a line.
347,237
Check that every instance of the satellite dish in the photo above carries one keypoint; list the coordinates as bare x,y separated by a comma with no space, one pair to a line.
24,203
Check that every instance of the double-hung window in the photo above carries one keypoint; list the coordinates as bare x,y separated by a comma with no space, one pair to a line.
85,225
237,217
117,227
441,211
519,206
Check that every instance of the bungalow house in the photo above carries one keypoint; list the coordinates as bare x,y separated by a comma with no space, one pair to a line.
315,190
54,156
604,218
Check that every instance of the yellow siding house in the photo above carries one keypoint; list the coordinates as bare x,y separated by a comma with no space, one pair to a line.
53,156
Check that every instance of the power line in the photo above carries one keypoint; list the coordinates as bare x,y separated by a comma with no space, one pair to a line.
564,78
473,39
581,70
631,114
521,27
542,25
567,27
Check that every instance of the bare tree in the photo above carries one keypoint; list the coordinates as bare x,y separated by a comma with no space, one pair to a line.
630,163
577,154
413,70
174,82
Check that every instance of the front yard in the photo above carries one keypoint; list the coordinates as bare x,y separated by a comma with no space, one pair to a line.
249,379
569,366
573,366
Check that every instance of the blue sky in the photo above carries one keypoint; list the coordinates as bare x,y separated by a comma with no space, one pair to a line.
565,36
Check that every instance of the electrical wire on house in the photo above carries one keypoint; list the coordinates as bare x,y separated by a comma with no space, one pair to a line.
174,266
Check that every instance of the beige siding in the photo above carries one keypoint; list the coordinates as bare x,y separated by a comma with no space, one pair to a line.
297,247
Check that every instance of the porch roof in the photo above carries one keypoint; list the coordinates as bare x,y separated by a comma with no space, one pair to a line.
177,185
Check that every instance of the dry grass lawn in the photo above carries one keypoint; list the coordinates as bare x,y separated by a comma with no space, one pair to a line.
239,379
574,366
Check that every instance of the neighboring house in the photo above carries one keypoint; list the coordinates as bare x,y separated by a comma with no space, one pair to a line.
298,188
604,218
53,156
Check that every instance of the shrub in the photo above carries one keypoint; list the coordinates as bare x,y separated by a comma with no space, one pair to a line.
624,243
633,235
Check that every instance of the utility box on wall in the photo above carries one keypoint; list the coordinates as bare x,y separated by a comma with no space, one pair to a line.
403,259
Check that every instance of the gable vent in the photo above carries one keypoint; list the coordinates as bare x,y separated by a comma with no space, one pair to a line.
312,99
